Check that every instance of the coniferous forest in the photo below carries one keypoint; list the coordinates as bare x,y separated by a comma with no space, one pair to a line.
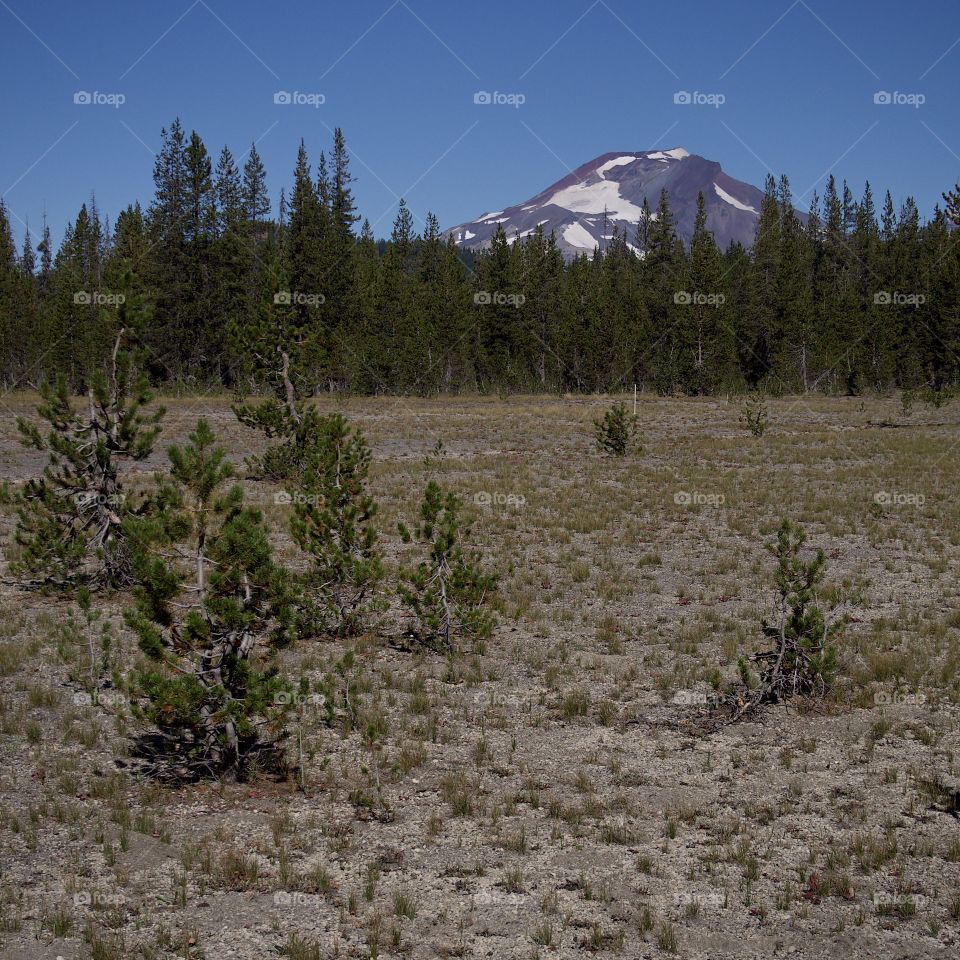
853,295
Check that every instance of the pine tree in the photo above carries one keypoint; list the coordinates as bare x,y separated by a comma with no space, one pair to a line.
662,281
497,272
204,344
230,264
228,193
304,270
836,298
615,433
362,346
255,199
71,520
794,343
905,280
17,309
343,209
339,309
542,272
403,236
707,347
28,260
282,339
803,660
333,524
77,331
939,321
209,617
396,323
167,269
448,592
759,343
45,249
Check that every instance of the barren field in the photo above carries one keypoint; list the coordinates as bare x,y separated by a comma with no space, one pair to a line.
563,790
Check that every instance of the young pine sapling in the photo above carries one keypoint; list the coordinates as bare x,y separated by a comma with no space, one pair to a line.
803,658
333,523
616,432
210,614
71,519
449,591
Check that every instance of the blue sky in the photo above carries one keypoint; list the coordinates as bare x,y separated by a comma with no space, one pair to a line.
797,79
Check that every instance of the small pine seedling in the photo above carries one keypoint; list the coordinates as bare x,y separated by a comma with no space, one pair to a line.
616,432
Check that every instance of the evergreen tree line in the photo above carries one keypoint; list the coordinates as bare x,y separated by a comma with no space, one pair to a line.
844,299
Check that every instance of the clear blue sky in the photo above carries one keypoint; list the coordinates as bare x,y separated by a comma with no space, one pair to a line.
399,76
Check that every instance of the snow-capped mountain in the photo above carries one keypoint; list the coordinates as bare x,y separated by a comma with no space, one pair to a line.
583,208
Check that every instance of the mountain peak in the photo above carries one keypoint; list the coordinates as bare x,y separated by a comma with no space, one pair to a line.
608,192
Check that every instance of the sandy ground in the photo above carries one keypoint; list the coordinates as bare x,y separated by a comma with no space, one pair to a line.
558,791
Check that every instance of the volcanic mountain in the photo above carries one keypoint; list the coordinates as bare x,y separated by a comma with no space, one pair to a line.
583,208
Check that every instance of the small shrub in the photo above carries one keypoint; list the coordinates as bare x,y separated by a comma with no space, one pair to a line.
754,414
333,524
803,659
207,620
71,520
448,592
616,432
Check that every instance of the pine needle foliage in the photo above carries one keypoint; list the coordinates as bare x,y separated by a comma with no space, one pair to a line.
616,431
333,523
802,660
210,616
449,591
71,519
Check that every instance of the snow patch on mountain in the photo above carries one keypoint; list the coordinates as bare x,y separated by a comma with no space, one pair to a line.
733,201
677,153
615,162
577,235
602,196
489,216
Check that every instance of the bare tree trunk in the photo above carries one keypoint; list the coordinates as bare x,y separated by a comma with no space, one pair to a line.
291,397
